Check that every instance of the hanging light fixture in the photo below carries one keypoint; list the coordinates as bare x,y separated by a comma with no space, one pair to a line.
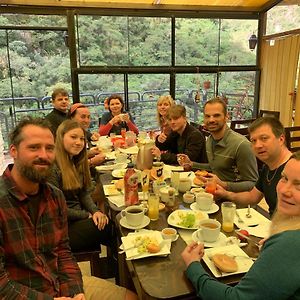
252,42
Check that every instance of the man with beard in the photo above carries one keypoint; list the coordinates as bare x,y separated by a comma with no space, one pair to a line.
229,154
184,138
267,136
35,257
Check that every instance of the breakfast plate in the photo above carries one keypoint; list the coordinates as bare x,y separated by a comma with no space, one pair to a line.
136,242
145,222
256,218
186,219
221,241
243,261
130,150
214,208
118,173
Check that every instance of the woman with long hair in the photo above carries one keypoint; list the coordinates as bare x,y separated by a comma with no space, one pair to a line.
163,105
88,226
275,274
116,118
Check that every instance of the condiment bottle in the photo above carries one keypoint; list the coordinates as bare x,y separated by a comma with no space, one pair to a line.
131,186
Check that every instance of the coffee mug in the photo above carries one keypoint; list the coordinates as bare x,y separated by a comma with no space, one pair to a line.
185,184
204,201
209,230
134,215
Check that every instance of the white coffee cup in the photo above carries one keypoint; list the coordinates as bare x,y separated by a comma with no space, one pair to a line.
134,215
185,184
204,201
209,230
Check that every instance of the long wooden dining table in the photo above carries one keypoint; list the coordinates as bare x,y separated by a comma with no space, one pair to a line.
164,277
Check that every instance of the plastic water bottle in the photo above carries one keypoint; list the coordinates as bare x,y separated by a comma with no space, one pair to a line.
131,186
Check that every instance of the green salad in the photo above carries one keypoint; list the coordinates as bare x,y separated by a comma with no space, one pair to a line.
187,220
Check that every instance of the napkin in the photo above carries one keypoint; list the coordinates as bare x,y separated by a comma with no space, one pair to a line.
261,230
117,200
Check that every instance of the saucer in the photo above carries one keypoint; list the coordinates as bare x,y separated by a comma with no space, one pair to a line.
124,223
221,241
214,208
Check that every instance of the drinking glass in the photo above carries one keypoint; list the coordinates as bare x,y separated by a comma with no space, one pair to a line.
153,207
210,186
228,212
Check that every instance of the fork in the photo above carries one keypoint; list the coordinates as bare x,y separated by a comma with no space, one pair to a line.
240,220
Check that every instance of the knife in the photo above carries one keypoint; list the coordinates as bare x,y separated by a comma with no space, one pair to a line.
247,238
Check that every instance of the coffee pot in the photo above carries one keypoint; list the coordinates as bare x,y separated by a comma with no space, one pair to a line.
144,158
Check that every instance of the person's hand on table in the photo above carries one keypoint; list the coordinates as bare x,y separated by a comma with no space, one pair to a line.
93,151
162,138
100,219
220,193
98,159
192,252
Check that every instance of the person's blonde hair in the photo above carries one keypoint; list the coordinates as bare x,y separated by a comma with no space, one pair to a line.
162,99
72,169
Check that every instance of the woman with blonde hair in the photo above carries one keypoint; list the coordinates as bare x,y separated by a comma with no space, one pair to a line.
88,226
163,105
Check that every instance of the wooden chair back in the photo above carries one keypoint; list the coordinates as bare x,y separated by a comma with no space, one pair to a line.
269,113
292,136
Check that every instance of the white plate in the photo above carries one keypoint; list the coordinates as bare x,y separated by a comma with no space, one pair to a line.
111,167
145,222
130,150
128,242
213,209
177,216
243,261
221,241
118,173
110,155
256,218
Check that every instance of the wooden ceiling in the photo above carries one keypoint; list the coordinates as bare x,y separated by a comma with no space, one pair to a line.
201,5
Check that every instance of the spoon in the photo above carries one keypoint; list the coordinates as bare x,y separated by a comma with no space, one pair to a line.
248,214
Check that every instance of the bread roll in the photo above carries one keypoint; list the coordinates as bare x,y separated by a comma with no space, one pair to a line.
225,263
198,181
202,173
153,248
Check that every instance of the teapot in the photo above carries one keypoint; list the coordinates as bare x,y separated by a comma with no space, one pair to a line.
144,158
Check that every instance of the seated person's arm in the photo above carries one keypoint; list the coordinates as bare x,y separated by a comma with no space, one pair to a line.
247,167
251,197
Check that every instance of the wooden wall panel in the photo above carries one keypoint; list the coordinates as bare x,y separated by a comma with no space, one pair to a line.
279,67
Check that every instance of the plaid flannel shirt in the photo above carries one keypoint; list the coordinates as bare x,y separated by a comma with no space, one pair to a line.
35,261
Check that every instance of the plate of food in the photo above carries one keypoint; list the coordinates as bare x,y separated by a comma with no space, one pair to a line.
145,243
227,260
186,219
118,173
130,150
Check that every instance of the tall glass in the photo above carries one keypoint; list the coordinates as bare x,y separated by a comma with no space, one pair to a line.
145,183
153,207
228,212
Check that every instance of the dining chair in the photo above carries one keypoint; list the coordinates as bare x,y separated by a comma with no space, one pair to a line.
269,113
292,136
241,126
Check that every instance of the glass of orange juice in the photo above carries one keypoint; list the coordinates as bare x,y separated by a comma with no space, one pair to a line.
228,212
153,207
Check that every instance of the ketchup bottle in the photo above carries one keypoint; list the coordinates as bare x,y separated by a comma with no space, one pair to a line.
131,186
